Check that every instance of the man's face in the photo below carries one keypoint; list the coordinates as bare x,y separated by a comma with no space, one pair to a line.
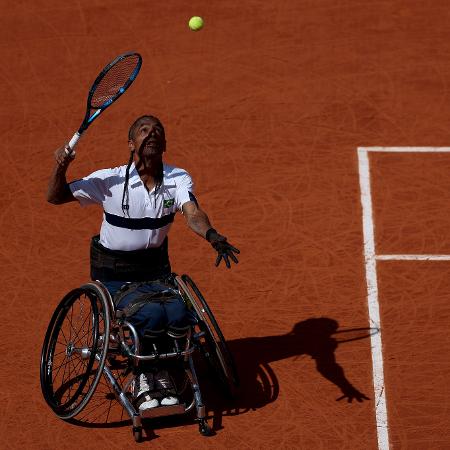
148,140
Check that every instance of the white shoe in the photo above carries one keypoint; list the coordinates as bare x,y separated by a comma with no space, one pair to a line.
140,388
148,403
164,384
169,401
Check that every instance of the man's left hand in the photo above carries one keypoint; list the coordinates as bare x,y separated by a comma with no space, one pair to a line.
224,249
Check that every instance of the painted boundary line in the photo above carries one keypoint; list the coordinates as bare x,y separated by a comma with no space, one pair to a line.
372,301
370,258
405,149
413,257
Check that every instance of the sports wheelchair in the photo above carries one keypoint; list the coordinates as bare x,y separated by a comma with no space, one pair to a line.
88,337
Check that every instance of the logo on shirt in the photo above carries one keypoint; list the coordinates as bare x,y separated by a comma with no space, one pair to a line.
168,203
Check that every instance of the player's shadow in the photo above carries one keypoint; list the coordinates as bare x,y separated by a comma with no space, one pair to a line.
317,338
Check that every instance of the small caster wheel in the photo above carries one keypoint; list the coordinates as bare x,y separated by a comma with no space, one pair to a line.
137,433
204,428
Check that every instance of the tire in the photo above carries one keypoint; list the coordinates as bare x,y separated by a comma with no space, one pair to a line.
74,350
212,343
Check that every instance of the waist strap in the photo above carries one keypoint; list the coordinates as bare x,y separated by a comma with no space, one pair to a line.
146,223
138,265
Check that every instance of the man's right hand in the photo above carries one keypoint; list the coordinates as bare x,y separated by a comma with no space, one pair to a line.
64,156
58,190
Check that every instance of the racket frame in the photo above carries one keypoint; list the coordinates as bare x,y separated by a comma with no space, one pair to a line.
89,118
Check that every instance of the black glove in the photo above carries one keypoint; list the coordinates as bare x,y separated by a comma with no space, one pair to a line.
223,248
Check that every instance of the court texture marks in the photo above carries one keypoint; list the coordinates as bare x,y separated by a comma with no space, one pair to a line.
293,118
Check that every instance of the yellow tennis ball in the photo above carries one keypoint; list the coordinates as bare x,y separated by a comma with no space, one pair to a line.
196,23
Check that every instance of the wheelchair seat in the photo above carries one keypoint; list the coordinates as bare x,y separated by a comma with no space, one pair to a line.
88,338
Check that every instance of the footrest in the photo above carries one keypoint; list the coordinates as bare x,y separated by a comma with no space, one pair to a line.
163,411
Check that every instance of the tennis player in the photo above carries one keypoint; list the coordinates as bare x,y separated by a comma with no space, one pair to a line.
130,255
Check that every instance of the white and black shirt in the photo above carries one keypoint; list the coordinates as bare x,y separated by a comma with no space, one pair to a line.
150,213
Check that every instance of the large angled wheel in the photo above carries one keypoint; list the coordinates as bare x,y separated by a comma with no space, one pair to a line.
74,350
212,342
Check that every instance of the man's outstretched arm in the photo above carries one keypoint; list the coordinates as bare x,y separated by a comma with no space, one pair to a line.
198,222
58,191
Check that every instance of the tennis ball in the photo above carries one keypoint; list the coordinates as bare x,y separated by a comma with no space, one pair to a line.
196,23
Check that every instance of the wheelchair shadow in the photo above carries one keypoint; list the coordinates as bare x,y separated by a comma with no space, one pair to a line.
317,338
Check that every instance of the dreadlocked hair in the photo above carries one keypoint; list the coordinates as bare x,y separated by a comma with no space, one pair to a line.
125,196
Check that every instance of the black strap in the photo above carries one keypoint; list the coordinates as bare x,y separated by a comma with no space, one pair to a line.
123,291
139,302
145,223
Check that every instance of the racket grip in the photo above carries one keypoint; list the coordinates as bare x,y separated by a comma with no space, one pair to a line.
74,140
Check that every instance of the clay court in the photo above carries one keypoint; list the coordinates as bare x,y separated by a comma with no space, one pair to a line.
266,107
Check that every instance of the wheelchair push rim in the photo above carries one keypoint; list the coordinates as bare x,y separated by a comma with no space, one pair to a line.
218,356
74,350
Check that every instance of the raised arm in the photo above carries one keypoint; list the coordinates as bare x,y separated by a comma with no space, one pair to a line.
58,191
198,222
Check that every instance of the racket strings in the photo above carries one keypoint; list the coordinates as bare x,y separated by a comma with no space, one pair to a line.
114,81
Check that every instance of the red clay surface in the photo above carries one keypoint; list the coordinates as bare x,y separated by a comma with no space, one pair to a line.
265,107
411,195
416,347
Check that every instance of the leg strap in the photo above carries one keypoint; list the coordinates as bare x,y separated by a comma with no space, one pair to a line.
142,298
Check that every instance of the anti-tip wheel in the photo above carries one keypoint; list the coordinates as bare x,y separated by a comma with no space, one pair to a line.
204,428
137,433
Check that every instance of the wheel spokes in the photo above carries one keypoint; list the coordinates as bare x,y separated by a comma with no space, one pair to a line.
72,343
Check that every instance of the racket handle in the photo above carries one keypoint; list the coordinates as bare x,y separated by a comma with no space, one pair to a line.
74,140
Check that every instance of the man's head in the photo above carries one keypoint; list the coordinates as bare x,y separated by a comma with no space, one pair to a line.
146,137
147,142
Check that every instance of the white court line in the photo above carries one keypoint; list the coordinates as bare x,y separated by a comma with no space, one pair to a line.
372,300
371,277
405,149
413,257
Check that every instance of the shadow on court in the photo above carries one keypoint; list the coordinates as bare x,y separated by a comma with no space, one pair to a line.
317,338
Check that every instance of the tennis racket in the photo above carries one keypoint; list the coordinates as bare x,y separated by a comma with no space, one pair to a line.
109,85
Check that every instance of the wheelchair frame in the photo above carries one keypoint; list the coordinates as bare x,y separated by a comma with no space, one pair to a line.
92,353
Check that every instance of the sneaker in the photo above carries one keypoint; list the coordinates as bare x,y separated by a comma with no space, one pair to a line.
164,384
140,388
170,400
148,403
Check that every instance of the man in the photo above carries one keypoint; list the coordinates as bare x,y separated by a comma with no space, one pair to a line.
139,202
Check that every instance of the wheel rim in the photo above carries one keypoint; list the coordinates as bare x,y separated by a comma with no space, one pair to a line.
74,352
70,351
226,370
